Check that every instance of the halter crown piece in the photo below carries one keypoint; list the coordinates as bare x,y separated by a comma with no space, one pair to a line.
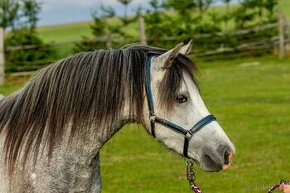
186,133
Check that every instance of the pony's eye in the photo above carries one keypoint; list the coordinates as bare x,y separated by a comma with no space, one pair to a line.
181,99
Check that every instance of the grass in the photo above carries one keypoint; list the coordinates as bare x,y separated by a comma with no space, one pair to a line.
12,84
65,35
65,32
71,32
252,104
285,6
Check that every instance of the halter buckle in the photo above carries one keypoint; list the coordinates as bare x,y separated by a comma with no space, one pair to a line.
188,135
152,117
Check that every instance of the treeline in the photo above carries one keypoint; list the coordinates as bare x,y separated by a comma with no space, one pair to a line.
166,23
184,18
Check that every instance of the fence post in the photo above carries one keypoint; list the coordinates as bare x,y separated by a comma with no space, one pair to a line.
141,28
109,40
281,29
2,59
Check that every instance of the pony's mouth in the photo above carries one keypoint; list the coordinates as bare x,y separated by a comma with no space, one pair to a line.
209,165
214,162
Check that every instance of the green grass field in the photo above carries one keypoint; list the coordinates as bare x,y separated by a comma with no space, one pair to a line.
251,102
65,32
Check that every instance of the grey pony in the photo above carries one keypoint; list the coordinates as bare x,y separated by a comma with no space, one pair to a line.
51,131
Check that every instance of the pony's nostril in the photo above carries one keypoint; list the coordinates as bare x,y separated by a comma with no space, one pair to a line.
227,157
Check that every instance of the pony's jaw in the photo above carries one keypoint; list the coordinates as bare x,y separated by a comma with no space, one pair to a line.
210,148
214,151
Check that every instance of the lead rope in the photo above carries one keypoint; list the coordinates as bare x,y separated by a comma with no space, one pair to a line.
275,186
191,176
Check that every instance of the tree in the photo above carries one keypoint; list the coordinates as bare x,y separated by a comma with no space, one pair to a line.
251,10
100,28
31,8
19,13
179,6
125,3
8,13
159,24
227,15
190,16
23,20
202,5
27,59
185,5
269,6
105,31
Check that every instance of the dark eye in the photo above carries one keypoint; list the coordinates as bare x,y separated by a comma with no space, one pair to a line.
181,99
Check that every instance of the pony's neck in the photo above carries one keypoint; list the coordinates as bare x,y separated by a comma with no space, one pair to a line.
88,143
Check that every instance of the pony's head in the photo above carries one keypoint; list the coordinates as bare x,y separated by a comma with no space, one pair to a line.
178,115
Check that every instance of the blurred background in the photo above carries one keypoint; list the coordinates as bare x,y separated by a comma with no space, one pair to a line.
241,46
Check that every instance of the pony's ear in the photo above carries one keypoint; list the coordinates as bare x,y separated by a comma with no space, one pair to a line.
167,58
186,49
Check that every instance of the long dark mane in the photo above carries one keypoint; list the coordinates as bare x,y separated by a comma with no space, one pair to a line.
87,88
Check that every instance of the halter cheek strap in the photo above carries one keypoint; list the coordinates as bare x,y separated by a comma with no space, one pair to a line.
175,127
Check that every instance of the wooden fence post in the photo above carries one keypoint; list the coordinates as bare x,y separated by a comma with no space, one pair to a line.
2,59
109,40
281,29
141,28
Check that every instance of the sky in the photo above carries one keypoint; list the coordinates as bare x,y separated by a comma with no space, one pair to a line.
69,11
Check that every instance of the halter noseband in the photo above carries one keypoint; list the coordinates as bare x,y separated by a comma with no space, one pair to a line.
155,119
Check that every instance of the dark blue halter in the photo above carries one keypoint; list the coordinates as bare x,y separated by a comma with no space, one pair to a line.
155,119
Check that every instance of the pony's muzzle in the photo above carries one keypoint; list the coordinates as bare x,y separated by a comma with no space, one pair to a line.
216,159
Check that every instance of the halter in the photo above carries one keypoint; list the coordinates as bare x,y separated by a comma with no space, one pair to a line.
155,119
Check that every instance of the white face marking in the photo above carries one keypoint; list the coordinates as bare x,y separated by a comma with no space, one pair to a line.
207,146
